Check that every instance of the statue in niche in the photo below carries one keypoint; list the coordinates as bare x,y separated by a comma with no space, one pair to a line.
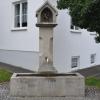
46,15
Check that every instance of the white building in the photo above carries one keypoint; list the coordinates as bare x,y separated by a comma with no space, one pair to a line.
74,48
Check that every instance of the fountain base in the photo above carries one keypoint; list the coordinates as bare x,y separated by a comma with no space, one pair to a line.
38,85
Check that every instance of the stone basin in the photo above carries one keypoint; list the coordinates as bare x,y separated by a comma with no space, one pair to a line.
45,75
47,85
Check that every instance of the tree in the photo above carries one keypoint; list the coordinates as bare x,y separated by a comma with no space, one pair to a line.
85,14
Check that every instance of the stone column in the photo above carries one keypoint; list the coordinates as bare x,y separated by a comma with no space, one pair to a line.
46,50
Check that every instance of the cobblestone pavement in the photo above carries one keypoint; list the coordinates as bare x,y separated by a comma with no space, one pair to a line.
90,93
4,91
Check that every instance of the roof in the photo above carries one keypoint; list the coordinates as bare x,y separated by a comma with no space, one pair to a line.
47,4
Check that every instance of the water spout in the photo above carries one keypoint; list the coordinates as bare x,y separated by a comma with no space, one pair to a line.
47,60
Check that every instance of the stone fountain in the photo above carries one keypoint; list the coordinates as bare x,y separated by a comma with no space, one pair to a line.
47,84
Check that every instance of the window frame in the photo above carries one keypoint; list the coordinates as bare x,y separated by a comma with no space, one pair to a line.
75,64
13,16
93,58
24,14
74,29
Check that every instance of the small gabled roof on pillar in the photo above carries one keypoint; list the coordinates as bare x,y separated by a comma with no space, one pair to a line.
47,5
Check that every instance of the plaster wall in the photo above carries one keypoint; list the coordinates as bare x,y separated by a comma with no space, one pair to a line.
67,43
25,41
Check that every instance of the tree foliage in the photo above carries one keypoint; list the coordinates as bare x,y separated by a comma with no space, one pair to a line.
84,13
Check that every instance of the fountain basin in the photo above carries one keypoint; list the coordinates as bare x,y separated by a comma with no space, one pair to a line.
47,85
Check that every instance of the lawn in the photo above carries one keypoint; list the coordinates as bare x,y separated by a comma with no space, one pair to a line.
5,75
93,81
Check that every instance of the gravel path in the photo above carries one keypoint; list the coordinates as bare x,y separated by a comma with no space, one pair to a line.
91,93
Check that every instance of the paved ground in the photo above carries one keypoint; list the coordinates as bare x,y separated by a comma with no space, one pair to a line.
92,71
14,69
90,94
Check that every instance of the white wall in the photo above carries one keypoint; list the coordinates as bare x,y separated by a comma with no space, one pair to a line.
12,41
60,41
26,42
68,44
25,59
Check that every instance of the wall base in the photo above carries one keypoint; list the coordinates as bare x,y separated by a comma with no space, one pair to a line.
25,59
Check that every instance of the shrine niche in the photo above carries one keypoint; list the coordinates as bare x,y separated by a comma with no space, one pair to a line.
46,16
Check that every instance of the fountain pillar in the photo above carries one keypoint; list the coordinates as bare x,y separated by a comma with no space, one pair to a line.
46,21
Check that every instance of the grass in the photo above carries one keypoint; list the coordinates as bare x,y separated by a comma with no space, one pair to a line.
5,75
93,81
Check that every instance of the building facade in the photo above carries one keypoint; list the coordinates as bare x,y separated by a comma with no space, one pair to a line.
73,48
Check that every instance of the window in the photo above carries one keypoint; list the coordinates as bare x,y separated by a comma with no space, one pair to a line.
20,19
93,57
75,61
17,15
74,27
